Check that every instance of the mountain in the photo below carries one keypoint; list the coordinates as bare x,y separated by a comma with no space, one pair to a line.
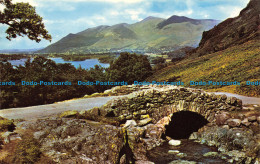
233,31
149,35
227,53
181,19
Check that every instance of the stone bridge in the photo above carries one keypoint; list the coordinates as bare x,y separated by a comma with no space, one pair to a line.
151,114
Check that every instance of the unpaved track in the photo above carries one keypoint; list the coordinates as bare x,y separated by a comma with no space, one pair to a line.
245,99
41,111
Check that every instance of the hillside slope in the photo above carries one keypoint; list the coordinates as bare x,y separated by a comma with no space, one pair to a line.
233,31
151,34
239,63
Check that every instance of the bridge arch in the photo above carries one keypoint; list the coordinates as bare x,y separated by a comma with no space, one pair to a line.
183,124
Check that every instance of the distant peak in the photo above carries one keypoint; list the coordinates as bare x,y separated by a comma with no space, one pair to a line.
100,27
70,34
121,24
178,19
149,18
177,16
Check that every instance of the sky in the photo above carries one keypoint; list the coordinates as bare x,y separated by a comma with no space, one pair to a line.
62,17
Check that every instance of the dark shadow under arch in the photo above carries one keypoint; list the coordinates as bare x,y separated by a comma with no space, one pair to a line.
183,124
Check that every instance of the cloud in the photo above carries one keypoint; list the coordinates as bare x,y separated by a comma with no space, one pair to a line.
233,10
31,2
134,14
106,1
114,13
37,2
89,21
2,7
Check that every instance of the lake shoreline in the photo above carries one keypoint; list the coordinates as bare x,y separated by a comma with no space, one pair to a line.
86,64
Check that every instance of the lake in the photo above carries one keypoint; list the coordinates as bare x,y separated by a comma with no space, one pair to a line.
86,64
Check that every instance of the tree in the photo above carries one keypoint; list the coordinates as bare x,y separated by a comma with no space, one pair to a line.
158,60
129,68
22,19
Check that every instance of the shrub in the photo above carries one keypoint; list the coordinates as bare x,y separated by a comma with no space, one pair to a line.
69,114
6,125
249,90
27,150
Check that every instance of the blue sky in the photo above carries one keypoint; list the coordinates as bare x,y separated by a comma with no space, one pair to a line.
62,17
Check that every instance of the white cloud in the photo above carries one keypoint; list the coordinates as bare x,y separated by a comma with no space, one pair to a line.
107,1
83,22
134,14
233,10
51,22
61,6
114,13
36,2
2,7
31,2
100,18
206,16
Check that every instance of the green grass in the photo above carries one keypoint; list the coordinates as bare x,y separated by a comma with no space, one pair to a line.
68,114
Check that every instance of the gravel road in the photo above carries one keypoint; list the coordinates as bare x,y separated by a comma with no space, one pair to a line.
41,111
245,99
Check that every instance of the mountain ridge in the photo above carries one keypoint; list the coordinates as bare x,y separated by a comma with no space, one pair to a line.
180,19
142,36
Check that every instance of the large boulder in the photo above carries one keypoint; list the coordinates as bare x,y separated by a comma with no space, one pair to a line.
174,142
74,140
222,117
234,122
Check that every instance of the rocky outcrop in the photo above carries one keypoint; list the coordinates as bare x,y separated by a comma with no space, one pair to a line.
78,141
240,144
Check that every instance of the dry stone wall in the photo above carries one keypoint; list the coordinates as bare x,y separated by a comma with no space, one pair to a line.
155,103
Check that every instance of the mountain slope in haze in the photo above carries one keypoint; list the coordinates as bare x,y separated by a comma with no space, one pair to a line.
233,31
181,19
150,34
237,57
19,51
